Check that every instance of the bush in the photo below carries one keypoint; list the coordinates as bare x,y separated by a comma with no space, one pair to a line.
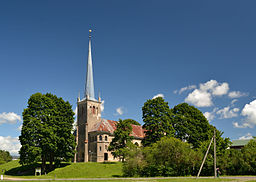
167,157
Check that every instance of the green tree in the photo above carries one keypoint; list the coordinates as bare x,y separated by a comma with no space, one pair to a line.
46,131
132,121
122,139
5,156
190,124
156,115
167,157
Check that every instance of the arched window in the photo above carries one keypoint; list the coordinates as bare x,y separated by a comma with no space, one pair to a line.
106,147
100,148
136,143
100,138
93,110
106,138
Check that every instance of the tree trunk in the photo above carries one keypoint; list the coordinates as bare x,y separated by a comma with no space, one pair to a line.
43,164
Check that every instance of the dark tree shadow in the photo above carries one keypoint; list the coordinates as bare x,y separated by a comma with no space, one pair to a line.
29,170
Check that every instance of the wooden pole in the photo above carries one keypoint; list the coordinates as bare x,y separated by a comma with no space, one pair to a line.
204,158
215,172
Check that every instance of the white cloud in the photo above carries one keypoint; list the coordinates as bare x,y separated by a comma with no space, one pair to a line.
209,116
158,95
11,144
233,102
102,106
119,111
244,125
202,97
210,85
246,137
199,98
236,94
9,117
20,127
190,87
227,112
249,111
221,89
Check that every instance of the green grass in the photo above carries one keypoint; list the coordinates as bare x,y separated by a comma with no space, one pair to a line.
8,166
88,170
145,180
73,170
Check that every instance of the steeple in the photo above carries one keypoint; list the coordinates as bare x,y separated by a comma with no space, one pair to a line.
89,87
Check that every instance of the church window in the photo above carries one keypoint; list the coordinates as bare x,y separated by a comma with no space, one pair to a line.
100,148
106,138
100,138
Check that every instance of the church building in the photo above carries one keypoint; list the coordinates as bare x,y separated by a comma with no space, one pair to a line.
94,133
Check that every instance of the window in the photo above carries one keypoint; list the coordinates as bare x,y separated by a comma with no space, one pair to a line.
106,147
106,138
100,138
93,109
100,148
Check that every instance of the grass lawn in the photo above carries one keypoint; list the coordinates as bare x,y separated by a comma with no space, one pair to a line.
87,170
73,170
145,180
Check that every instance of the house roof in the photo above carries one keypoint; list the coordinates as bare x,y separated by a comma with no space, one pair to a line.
110,126
236,143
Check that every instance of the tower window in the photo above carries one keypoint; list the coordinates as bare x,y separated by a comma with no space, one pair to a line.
100,148
93,109
100,138
106,138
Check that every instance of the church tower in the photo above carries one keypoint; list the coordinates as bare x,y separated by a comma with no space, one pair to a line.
88,111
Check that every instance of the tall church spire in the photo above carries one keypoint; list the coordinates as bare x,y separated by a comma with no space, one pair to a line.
89,87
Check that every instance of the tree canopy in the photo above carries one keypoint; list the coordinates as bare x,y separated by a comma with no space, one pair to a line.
122,139
5,156
46,131
156,115
190,124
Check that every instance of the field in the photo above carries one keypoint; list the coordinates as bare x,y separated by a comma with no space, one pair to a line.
105,172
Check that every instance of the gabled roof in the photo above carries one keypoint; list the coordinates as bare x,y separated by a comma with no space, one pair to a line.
236,143
109,126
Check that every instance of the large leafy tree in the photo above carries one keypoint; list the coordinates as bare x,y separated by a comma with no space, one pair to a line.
156,115
46,131
190,124
122,139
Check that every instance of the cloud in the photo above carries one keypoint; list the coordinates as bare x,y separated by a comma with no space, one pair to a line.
158,95
233,102
190,87
209,116
9,117
236,94
199,98
202,97
20,127
11,144
227,112
221,89
119,111
249,111
246,137
244,125
102,106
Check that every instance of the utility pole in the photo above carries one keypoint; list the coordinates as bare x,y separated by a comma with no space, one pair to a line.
215,172
204,158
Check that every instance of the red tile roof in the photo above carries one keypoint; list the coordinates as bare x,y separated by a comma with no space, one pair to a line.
110,126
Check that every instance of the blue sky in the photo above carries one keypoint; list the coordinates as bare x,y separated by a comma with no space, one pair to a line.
201,52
